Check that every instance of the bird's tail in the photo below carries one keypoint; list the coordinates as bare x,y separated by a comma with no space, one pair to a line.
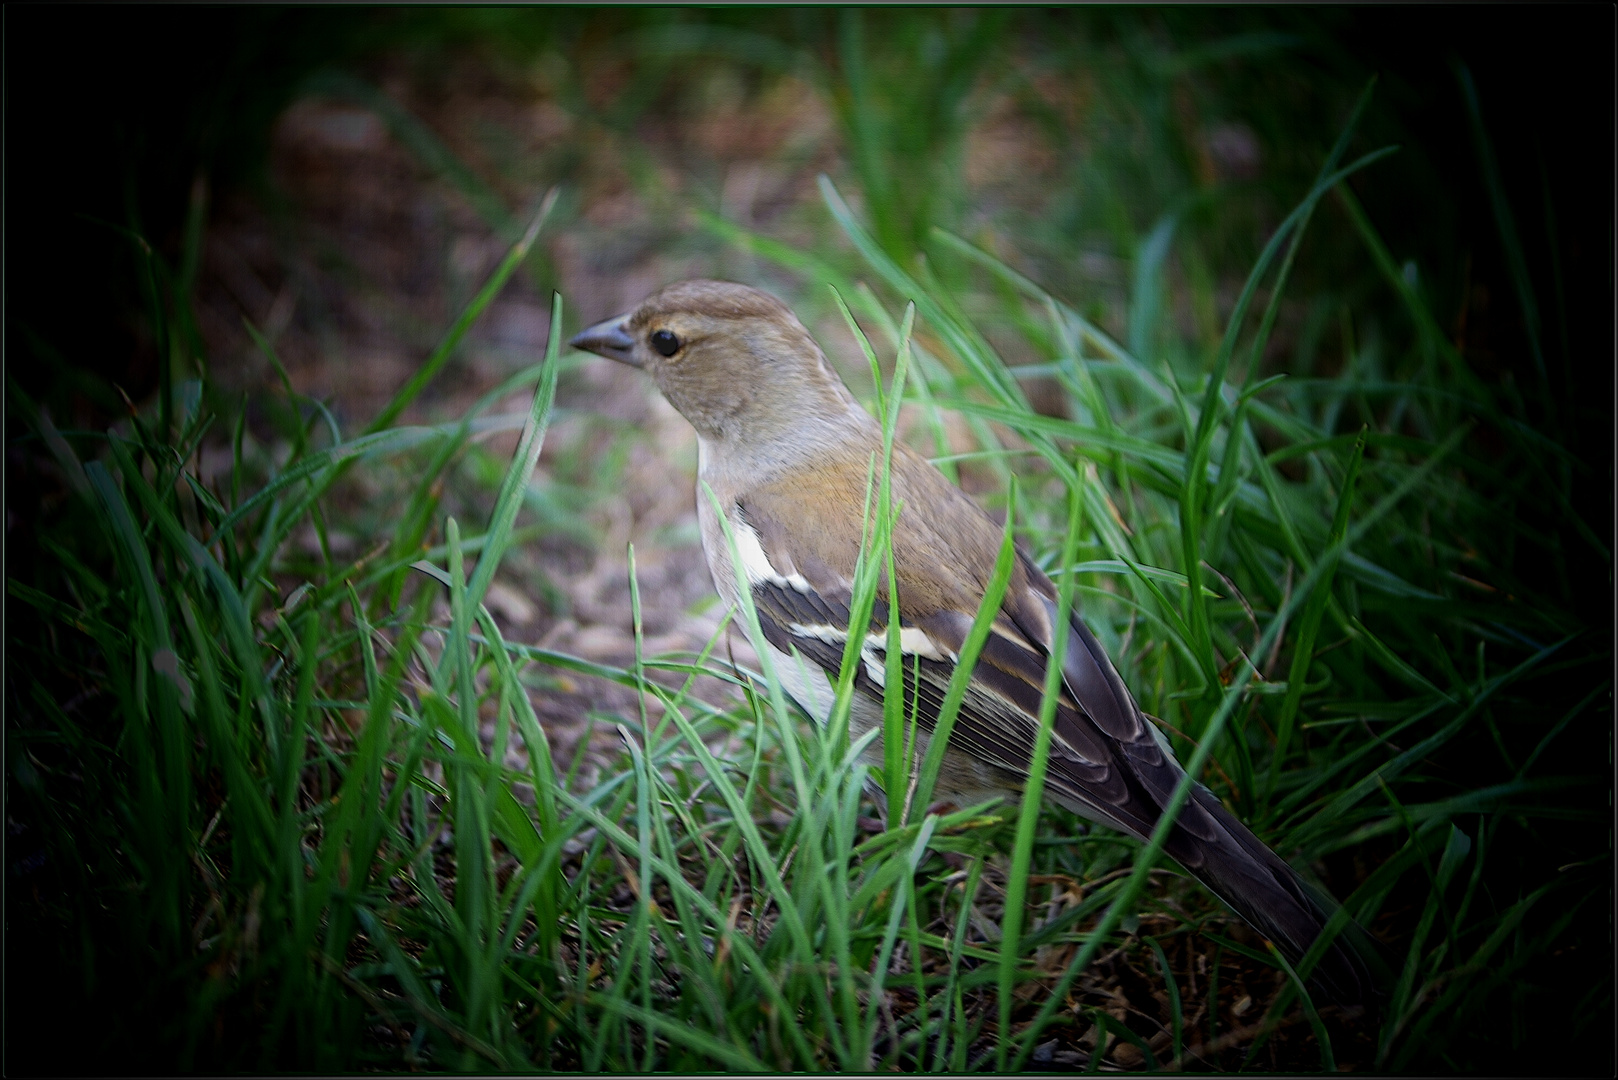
1266,892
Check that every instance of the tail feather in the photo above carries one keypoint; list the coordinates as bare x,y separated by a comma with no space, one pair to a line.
1266,892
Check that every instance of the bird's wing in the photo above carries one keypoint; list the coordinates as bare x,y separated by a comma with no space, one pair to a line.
1105,761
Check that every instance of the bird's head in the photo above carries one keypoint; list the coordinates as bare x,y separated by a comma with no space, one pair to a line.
733,360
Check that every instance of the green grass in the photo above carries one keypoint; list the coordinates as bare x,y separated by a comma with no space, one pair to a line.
274,789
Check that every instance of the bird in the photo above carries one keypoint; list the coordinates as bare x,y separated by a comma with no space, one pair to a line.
786,450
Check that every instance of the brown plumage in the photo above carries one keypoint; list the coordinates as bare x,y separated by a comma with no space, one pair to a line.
786,450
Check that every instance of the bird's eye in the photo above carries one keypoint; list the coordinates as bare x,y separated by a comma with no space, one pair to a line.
665,342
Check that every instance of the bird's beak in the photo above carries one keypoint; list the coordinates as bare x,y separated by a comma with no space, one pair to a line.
610,339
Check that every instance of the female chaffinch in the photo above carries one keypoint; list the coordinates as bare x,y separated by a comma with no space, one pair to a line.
786,450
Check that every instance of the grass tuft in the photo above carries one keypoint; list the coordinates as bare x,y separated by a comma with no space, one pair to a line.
281,808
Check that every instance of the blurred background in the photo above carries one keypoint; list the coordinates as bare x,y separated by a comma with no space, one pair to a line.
335,184
353,175
357,171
